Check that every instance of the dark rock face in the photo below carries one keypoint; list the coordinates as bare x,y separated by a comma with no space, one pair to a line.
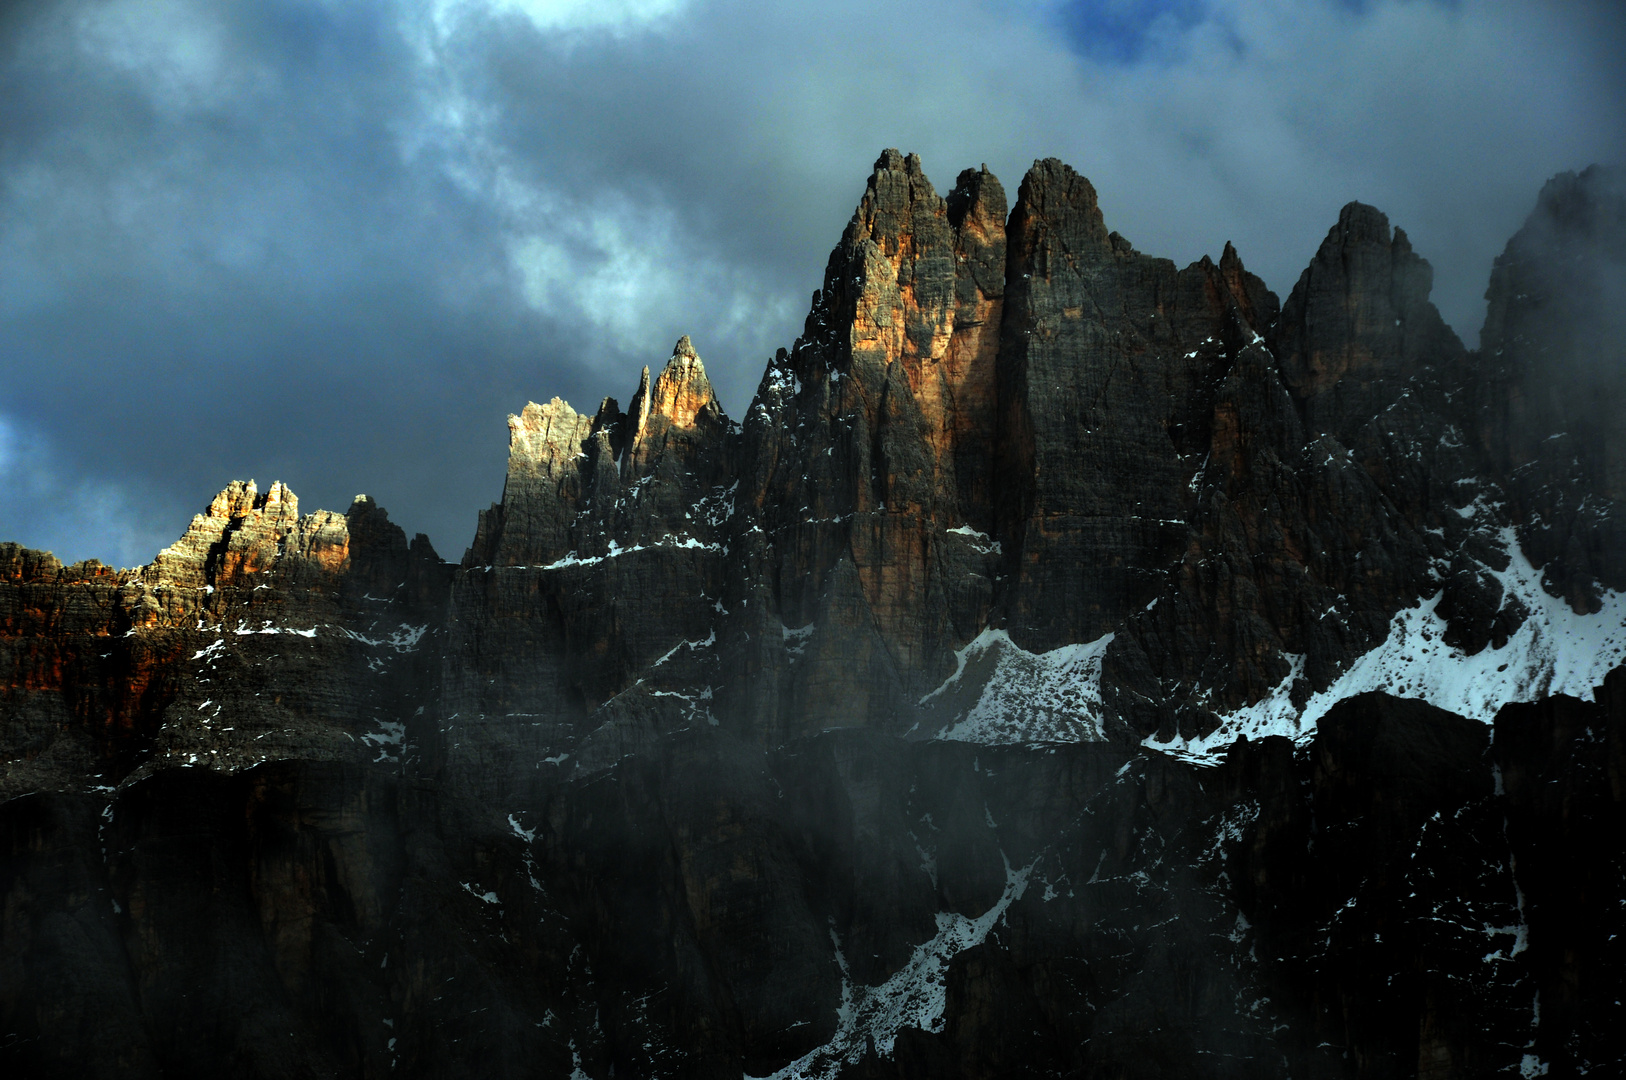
1372,905
1359,325
925,722
1234,500
1109,357
1552,400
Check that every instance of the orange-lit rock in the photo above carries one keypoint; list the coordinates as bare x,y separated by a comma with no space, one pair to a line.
248,634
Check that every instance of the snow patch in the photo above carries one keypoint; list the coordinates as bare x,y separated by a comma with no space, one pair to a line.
711,639
698,703
267,628
407,637
915,997
210,651
981,541
387,740
1028,697
796,639
617,550
717,507
403,640
1554,651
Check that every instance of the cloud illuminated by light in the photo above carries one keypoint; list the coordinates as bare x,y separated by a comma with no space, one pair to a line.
615,16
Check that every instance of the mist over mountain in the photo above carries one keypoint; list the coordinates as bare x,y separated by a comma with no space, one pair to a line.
1070,664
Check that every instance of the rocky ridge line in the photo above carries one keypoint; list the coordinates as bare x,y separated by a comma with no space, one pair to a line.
624,792
1018,425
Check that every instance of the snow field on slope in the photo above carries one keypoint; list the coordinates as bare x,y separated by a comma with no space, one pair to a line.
915,997
1554,651
1029,697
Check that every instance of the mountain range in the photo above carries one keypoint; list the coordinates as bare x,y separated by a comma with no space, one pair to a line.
1071,665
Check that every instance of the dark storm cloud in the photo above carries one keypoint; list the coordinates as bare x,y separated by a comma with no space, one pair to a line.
221,261
334,243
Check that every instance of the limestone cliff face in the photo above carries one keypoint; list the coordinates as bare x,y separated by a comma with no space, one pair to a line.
868,461
1108,360
606,552
1015,424
1371,904
259,633
999,422
1000,426
1331,496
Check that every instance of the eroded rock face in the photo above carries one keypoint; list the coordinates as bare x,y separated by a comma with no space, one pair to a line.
1108,361
1014,424
259,634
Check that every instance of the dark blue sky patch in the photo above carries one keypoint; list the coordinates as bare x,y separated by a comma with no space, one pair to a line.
1127,31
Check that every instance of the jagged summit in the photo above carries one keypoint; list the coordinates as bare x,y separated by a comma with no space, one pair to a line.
1001,420
1010,421
681,396
244,532
1359,324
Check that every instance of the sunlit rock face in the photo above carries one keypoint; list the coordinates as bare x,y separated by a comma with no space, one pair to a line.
259,634
1070,664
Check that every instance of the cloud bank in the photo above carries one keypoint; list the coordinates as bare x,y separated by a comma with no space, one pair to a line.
336,243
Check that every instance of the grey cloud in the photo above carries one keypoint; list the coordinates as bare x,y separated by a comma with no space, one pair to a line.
335,243
32,486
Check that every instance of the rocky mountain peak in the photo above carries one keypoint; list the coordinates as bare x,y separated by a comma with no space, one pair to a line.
682,394
1555,327
242,498
979,197
531,522
244,533
544,437
240,531
892,160
679,405
1054,200
1551,405
1257,304
898,192
1358,324
1358,224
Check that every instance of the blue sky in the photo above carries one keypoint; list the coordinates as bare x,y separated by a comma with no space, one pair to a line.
335,242
1128,32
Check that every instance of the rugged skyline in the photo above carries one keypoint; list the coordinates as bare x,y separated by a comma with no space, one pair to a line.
1073,664
336,244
